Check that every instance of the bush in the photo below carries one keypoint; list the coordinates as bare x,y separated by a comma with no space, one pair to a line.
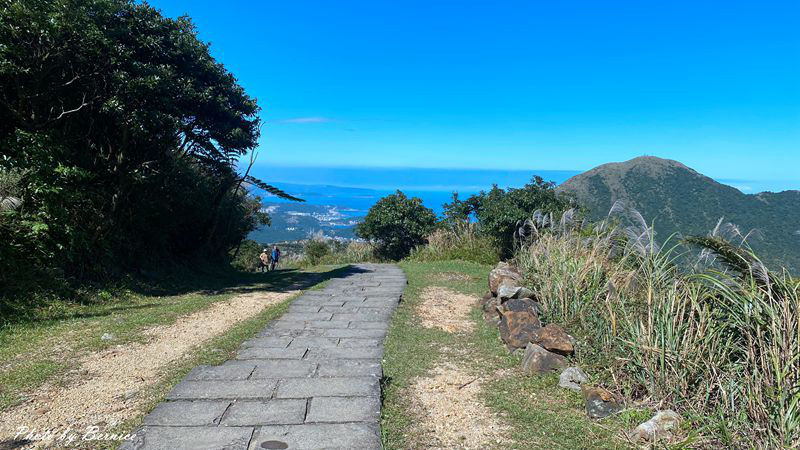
315,250
457,242
718,343
397,224
339,252
498,211
246,256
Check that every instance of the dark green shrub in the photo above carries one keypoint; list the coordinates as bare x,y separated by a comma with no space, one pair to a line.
397,224
498,211
315,250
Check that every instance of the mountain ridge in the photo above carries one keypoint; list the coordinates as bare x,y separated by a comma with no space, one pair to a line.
678,199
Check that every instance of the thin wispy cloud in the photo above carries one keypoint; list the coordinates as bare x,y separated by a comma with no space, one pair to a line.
305,120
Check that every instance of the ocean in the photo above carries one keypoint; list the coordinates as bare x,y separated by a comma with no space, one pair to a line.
354,190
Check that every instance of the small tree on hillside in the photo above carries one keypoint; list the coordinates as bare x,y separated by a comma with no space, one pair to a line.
397,224
499,210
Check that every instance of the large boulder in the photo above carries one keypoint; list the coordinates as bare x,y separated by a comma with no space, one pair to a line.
539,361
657,428
554,338
600,402
519,322
504,273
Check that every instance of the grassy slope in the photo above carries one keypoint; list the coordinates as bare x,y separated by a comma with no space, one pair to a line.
539,412
51,343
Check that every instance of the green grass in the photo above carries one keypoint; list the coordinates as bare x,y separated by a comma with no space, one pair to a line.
54,338
538,412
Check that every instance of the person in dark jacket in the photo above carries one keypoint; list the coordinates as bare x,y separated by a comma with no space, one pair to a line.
276,256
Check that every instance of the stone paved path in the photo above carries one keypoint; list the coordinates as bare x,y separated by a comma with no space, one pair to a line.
309,380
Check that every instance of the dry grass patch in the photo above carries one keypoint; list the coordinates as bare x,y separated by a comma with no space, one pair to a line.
445,309
103,389
452,414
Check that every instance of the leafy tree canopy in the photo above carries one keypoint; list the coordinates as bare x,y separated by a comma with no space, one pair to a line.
397,224
126,134
498,211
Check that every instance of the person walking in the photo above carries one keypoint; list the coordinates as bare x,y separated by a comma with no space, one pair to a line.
263,261
276,256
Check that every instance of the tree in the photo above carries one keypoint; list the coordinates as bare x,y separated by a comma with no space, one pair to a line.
498,210
128,134
397,224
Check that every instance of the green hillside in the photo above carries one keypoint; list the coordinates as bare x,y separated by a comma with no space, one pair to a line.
682,200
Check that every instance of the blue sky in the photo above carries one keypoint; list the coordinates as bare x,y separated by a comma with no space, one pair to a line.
556,85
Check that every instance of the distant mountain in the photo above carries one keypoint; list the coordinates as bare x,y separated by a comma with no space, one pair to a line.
682,200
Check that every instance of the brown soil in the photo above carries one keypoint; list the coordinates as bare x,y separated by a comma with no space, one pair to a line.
105,389
454,416
446,309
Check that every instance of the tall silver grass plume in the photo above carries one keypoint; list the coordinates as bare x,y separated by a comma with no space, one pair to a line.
761,273
10,203
567,220
716,230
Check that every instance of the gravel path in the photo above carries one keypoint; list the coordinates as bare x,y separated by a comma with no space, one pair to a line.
309,380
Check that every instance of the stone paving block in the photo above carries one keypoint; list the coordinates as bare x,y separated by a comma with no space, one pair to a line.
314,342
350,368
353,304
303,309
344,353
328,324
328,387
281,324
265,412
382,311
270,353
361,436
187,413
356,333
339,309
210,390
283,368
333,303
268,342
369,325
353,342
304,332
306,316
230,370
361,317
344,409
350,298
199,438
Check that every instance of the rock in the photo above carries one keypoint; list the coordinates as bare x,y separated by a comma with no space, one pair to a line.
600,402
107,337
538,360
659,427
506,291
490,313
486,297
554,338
503,272
518,322
572,378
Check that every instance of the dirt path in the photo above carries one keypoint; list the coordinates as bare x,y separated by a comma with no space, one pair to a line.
104,390
445,309
453,415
